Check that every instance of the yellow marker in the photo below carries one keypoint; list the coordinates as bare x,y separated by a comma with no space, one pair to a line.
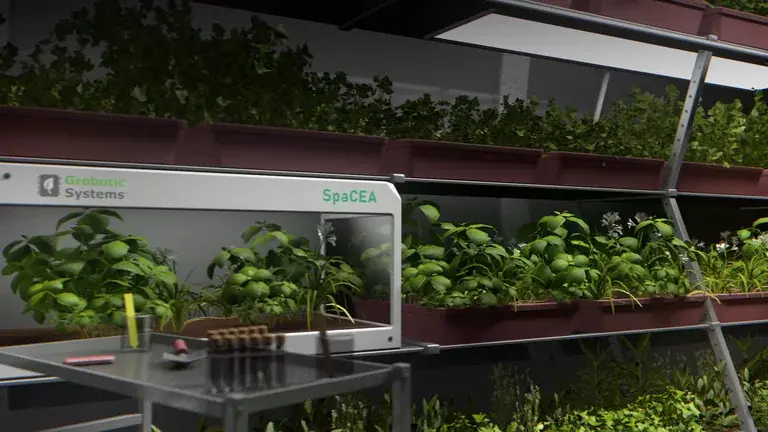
130,321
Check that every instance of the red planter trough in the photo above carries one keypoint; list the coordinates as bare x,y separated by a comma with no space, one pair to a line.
741,307
280,149
711,178
558,3
677,15
736,27
625,315
456,161
592,170
63,134
462,326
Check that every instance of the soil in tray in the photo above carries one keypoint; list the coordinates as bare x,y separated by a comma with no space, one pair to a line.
295,324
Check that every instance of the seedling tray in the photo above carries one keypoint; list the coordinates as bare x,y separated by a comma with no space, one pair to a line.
145,375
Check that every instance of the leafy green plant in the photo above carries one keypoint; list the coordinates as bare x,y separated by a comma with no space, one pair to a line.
757,7
81,287
739,262
289,278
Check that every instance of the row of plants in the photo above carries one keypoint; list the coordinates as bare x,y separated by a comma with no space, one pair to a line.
636,392
75,277
150,60
561,258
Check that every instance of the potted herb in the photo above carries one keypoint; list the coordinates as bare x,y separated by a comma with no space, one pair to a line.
638,278
53,111
462,141
736,270
725,152
626,148
461,286
283,287
737,21
79,289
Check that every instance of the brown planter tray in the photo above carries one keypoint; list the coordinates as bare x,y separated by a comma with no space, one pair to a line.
457,161
199,327
281,149
463,326
625,315
741,307
559,3
593,170
718,179
737,27
676,15
64,134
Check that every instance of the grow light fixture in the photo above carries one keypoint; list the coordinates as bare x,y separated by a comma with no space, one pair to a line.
529,28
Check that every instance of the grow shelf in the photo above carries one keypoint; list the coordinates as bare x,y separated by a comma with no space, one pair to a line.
145,376
27,189
426,186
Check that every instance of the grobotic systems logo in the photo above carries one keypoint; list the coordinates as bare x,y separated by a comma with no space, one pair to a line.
77,188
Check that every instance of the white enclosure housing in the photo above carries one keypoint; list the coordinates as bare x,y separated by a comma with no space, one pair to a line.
180,204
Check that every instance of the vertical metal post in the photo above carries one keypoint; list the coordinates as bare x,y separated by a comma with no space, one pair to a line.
401,398
234,419
145,408
714,332
601,96
683,133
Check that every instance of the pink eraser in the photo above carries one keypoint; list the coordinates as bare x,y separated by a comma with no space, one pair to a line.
180,347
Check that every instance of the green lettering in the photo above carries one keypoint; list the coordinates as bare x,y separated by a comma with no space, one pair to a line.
353,195
345,197
326,195
372,197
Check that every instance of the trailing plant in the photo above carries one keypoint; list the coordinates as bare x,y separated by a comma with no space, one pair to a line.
81,287
757,7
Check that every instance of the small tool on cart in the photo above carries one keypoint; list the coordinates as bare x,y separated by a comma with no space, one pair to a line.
180,356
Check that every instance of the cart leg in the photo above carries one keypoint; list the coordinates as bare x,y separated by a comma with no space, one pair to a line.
401,398
145,407
235,420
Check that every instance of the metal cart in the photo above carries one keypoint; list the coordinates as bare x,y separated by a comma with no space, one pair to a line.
146,377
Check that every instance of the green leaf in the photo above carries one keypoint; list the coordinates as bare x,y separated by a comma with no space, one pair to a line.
128,266
55,285
7,250
35,299
430,212
478,237
165,275
68,300
440,283
45,244
630,243
109,212
244,254
115,250
552,223
431,251
281,237
96,222
67,218
584,227
744,234
21,282
71,268
666,230
759,222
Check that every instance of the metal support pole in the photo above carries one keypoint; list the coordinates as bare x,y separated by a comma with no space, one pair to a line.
683,134
714,332
145,408
234,419
401,398
601,96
